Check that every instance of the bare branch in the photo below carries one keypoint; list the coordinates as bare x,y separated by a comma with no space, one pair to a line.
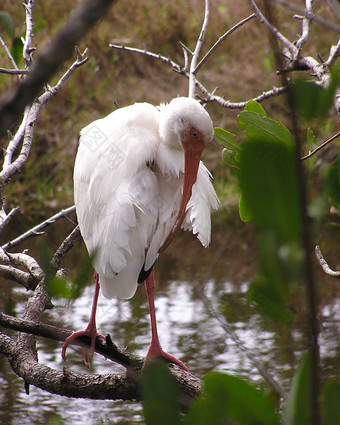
13,144
5,218
186,53
8,53
321,146
275,91
15,167
175,66
64,248
27,126
306,21
333,54
23,260
16,275
27,49
319,19
324,264
39,227
221,39
210,97
194,59
14,71
48,62
276,33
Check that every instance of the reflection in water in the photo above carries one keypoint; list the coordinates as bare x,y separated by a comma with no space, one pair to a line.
186,330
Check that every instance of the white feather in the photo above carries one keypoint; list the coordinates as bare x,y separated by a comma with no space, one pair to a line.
128,180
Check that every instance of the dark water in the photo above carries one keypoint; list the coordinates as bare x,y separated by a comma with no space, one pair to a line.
187,330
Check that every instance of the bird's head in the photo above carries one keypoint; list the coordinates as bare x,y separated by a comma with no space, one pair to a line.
185,124
185,120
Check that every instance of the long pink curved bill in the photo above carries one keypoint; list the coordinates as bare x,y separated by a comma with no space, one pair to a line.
193,153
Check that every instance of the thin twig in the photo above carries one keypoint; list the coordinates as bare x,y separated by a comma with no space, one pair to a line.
14,71
64,248
13,144
275,91
194,59
221,39
319,19
306,21
321,146
60,49
27,49
39,227
5,218
175,66
8,53
186,53
324,265
210,97
334,53
276,33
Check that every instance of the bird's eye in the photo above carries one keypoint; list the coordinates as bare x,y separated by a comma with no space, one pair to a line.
194,134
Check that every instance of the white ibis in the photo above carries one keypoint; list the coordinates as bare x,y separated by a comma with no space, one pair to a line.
138,179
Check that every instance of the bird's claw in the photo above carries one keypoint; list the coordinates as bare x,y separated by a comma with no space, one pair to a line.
86,332
159,352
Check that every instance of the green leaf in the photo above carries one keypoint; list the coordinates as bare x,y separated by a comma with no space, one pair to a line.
226,139
296,409
269,186
254,106
312,141
312,100
259,127
160,394
7,23
59,288
16,49
226,397
307,96
330,406
228,157
244,210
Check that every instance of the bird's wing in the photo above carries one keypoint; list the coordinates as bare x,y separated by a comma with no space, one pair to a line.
197,219
115,189
203,200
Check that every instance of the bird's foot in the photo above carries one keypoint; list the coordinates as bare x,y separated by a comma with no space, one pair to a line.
92,333
159,352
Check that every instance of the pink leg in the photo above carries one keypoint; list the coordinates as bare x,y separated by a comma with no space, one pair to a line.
155,348
91,329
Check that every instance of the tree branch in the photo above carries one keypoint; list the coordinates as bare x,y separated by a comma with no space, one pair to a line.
64,248
36,230
276,33
221,39
210,97
324,265
194,59
48,62
306,21
321,146
14,71
319,19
